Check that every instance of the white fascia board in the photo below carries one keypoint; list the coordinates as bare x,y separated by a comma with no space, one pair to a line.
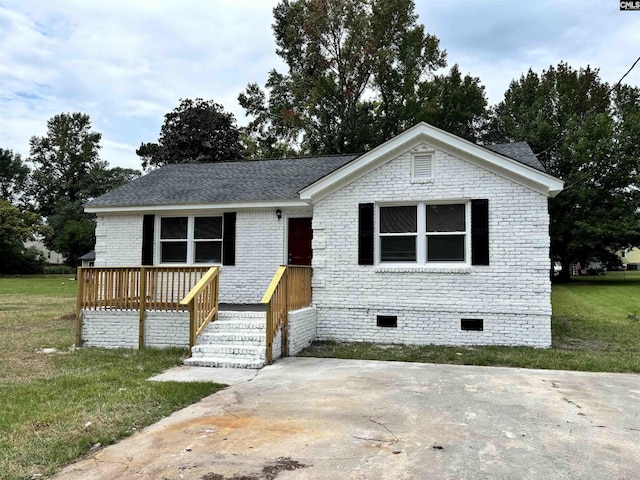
494,162
199,206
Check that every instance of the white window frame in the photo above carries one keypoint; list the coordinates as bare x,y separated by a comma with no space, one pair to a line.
191,240
422,234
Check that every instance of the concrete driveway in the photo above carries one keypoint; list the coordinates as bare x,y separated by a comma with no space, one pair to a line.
309,418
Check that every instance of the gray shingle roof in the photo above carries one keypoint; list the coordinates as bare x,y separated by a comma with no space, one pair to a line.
224,182
247,181
88,256
520,151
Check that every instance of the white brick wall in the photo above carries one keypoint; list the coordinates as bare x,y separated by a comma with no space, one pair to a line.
120,329
260,249
166,329
110,329
118,240
276,348
302,329
512,295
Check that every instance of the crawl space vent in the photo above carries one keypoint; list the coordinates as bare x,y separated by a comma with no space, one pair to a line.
472,324
387,321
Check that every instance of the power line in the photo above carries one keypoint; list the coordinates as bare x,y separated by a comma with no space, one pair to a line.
590,112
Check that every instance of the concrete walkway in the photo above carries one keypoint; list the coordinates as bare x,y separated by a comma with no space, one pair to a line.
225,376
306,418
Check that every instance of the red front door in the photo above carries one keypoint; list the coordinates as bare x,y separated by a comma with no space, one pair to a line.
299,241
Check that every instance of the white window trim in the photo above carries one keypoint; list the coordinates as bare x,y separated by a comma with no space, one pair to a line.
421,262
191,241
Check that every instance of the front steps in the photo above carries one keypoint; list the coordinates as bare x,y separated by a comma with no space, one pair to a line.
236,340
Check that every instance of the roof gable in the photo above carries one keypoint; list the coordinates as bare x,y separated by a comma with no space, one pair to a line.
525,170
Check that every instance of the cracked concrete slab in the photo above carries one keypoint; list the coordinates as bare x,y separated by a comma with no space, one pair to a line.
344,419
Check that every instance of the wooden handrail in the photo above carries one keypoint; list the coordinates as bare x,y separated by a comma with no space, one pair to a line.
290,289
202,303
266,298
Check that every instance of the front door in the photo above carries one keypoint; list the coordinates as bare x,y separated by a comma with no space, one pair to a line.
299,241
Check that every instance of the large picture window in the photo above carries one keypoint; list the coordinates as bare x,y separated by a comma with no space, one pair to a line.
424,233
190,240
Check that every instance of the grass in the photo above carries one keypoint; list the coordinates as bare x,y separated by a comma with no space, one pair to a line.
593,329
57,407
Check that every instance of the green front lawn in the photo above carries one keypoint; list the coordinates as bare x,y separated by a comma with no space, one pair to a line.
59,406
595,326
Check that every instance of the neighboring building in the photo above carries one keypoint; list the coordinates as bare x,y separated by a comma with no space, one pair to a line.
50,257
88,259
630,258
426,239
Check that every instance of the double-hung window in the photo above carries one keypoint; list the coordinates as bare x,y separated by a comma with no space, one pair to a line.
190,240
424,233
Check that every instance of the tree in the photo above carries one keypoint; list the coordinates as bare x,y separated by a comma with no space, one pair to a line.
195,131
356,75
13,176
68,173
17,227
63,161
587,136
455,104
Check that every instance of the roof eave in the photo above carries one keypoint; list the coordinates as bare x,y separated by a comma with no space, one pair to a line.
289,203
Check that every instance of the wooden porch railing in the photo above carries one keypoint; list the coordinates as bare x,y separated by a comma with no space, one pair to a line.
290,289
134,288
202,302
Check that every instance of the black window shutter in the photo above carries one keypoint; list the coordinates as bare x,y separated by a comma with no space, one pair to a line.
365,234
480,232
148,224
229,239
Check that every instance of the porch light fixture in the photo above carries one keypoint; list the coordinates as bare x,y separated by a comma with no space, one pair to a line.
279,214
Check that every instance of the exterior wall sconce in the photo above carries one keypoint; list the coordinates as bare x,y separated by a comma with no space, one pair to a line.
279,214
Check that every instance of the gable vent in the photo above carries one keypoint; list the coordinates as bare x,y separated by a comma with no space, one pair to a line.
422,167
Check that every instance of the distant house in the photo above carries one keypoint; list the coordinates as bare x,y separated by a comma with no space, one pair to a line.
426,239
630,258
50,257
88,259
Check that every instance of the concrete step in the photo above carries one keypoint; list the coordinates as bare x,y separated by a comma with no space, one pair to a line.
216,337
231,315
235,340
231,325
224,362
229,351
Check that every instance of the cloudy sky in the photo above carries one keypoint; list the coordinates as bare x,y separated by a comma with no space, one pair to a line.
128,62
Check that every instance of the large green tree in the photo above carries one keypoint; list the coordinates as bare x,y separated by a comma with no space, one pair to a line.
67,173
359,72
195,131
454,103
16,227
587,135
13,176
63,160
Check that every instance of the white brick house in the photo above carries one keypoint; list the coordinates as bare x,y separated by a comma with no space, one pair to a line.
426,239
